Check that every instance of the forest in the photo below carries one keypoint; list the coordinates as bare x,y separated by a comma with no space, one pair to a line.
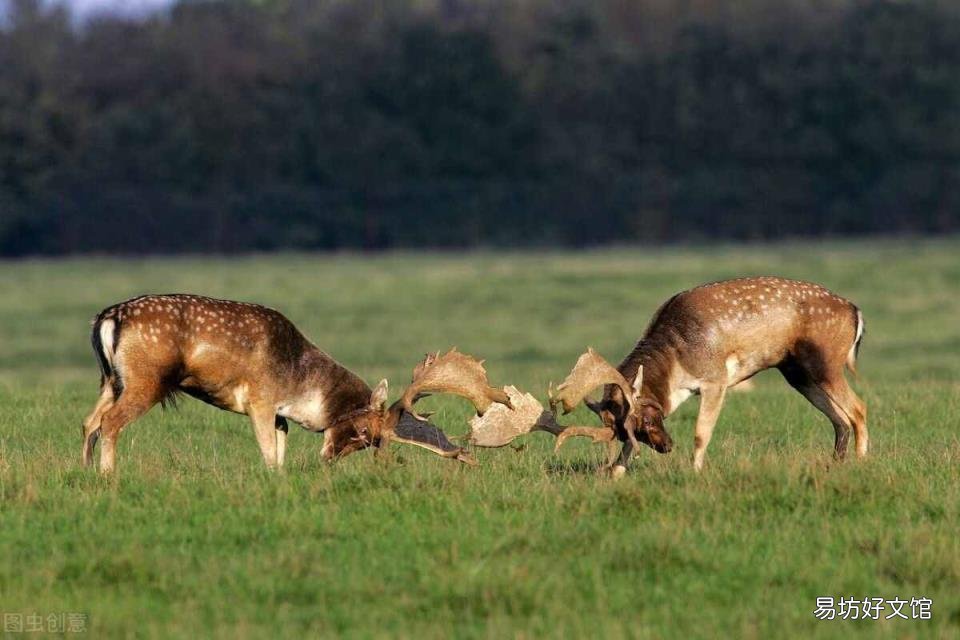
264,125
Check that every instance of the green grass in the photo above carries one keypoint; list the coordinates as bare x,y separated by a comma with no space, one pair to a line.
194,536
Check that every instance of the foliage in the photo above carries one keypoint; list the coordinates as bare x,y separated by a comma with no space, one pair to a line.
238,126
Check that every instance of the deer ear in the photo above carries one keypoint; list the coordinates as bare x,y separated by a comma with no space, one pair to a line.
378,399
638,382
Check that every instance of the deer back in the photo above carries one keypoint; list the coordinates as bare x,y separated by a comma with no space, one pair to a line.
725,331
218,350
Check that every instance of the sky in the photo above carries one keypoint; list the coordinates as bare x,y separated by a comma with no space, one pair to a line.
85,8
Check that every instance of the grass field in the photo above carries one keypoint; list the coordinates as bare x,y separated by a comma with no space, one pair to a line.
194,537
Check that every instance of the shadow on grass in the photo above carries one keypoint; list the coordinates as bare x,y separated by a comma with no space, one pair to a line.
572,467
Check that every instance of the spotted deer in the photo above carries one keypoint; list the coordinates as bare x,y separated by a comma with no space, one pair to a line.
251,360
704,341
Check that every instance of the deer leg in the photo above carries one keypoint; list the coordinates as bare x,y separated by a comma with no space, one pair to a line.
611,454
91,425
327,451
822,400
840,404
711,401
859,416
834,399
852,408
382,447
280,424
265,429
623,461
132,403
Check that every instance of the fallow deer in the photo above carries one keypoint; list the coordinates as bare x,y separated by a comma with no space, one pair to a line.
704,341
249,359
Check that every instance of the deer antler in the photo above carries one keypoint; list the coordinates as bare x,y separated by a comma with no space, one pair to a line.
502,424
590,371
453,372
426,435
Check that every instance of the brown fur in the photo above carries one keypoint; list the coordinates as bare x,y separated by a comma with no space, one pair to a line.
714,336
251,360
237,356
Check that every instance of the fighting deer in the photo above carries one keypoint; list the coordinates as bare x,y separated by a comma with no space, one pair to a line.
704,341
252,360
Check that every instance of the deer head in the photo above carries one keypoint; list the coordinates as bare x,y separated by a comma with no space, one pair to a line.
623,412
377,423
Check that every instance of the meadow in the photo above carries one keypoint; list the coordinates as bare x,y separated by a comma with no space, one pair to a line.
194,537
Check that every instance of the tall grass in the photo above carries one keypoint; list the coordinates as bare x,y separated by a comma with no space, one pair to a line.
193,536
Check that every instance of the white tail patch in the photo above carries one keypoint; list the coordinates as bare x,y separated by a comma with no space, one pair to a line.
852,354
107,328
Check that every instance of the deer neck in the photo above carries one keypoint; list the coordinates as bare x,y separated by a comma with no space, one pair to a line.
657,361
322,390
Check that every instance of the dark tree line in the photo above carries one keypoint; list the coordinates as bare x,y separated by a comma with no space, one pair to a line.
235,126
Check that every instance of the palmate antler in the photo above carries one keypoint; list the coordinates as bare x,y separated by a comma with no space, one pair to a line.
455,373
591,371
500,425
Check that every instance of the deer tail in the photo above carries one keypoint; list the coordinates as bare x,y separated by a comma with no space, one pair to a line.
855,347
104,337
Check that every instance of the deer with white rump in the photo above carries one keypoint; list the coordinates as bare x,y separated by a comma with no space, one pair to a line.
251,360
704,341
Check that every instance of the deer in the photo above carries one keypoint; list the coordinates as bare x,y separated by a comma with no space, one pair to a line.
249,359
704,341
